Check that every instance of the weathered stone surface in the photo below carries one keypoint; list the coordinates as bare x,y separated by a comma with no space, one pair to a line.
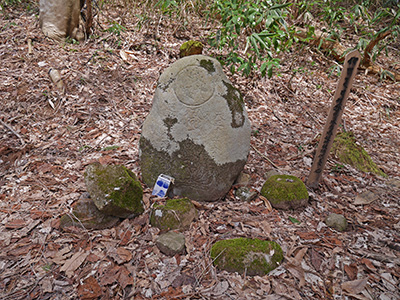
197,131
253,256
114,189
336,221
285,192
175,214
171,243
86,214
59,18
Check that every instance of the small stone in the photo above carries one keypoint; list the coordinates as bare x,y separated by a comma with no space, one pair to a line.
175,214
87,214
171,243
244,193
115,190
285,192
253,256
336,221
190,48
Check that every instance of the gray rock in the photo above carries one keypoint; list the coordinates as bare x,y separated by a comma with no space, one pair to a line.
197,131
114,189
171,243
86,214
336,221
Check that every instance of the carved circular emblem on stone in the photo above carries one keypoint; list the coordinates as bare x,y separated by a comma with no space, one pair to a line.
194,86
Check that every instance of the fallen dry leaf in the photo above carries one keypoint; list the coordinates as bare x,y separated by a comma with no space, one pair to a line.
351,271
89,289
74,263
355,286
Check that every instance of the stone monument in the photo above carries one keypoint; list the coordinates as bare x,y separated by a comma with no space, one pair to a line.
197,130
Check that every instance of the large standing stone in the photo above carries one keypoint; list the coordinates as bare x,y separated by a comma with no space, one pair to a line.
59,18
197,131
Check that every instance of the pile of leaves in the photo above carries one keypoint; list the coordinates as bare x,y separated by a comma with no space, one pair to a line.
48,136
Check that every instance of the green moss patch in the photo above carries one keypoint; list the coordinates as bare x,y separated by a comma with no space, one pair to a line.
235,104
175,214
348,152
285,192
253,256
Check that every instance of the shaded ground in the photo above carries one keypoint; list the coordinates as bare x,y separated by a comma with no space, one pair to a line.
47,138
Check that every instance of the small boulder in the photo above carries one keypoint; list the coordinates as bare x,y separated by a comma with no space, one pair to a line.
171,243
336,221
190,48
285,192
86,213
175,214
253,256
114,189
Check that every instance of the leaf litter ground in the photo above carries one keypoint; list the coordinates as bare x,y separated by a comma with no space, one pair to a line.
47,138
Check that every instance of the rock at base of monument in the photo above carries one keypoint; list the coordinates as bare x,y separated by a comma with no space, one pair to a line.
285,192
197,131
86,214
171,243
115,190
250,256
175,214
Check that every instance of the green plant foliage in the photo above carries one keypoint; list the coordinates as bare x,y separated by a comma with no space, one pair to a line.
261,23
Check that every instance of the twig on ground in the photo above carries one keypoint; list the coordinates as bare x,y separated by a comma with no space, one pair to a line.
263,156
13,131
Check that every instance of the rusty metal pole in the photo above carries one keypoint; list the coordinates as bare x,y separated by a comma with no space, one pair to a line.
352,61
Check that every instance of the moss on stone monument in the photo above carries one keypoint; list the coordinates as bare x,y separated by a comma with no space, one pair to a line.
208,175
253,256
285,192
347,151
208,65
235,104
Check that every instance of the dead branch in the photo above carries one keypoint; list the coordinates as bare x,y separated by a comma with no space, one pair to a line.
321,39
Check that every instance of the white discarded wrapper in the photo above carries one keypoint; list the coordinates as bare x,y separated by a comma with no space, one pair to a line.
162,185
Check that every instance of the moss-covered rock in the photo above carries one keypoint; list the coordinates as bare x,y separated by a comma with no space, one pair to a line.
114,189
86,214
348,152
175,214
253,256
190,48
285,192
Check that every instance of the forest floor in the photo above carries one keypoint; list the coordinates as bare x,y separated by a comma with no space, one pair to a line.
47,138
